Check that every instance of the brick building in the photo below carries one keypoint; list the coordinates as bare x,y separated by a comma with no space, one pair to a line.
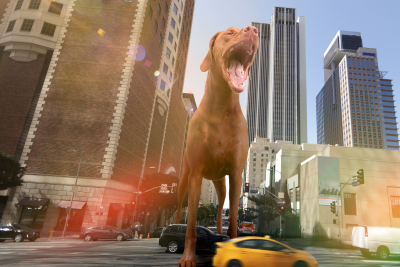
103,78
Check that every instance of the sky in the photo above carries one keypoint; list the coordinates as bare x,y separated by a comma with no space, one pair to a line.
376,20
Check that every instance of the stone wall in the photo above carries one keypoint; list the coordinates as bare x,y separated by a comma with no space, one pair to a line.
94,197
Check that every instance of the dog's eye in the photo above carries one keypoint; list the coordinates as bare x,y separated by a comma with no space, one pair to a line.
230,33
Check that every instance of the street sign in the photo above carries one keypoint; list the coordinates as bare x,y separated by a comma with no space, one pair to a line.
164,189
356,183
281,195
254,191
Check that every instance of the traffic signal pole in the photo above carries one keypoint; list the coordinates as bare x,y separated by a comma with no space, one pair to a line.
340,239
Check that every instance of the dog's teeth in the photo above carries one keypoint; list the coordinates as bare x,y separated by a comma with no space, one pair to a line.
231,49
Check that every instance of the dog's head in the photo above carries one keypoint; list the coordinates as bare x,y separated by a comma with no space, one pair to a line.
231,54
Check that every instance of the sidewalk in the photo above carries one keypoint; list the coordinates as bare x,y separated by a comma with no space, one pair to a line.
308,242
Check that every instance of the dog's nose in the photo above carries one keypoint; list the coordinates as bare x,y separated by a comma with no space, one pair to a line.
251,28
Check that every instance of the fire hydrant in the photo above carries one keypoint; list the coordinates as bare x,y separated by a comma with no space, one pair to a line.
51,233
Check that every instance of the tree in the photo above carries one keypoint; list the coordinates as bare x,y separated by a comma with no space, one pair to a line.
227,212
155,201
11,172
268,209
202,214
212,209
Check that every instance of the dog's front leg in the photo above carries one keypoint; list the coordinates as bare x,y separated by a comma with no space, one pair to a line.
235,185
189,255
220,188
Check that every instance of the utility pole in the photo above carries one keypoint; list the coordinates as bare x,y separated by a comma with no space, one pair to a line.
72,197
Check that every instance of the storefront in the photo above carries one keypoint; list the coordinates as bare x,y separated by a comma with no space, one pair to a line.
33,212
76,215
128,215
113,212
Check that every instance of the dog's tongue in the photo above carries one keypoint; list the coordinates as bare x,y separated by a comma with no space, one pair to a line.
235,72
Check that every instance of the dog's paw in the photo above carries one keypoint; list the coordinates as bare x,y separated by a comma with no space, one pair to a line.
187,261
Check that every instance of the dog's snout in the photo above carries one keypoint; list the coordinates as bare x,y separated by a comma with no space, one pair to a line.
251,28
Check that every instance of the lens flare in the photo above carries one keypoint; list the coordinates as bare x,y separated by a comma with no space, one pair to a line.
136,52
157,73
101,32
148,63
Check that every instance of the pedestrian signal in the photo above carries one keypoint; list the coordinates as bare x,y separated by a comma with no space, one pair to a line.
246,187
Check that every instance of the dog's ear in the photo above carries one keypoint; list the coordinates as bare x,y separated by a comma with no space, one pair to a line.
209,59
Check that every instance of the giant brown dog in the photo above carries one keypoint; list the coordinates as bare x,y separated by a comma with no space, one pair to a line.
217,137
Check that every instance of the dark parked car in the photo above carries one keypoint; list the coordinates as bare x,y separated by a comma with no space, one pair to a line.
173,238
157,232
214,230
105,232
17,232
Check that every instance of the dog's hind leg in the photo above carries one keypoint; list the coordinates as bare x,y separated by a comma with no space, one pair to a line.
220,188
182,189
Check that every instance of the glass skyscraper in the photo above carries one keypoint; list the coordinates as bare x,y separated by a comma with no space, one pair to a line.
355,108
276,104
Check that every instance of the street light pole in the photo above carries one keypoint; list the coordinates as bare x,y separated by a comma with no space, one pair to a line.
137,196
72,197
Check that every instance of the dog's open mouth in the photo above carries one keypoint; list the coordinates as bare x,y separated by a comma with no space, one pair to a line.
236,62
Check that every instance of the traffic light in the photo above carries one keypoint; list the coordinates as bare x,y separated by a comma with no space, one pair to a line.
246,187
333,207
173,188
360,176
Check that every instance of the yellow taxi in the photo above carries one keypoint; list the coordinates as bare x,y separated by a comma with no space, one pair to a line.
260,251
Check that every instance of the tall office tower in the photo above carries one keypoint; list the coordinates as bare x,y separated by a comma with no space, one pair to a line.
102,78
355,108
276,104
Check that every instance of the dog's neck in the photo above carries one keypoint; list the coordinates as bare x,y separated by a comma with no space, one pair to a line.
218,96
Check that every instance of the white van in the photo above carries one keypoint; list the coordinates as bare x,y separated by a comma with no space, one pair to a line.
383,241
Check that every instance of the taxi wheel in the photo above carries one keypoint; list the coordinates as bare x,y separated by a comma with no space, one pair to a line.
301,264
234,263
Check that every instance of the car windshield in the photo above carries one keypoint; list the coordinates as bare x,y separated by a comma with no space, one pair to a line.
20,226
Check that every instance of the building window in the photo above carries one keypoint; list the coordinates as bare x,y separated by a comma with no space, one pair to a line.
175,9
160,38
55,8
150,12
27,25
170,38
163,22
162,85
180,19
254,159
173,61
168,53
48,29
158,9
165,69
155,26
350,204
19,5
11,26
166,7
177,32
173,23
34,4
395,206
181,5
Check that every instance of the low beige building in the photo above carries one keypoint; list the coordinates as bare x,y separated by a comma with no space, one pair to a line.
312,176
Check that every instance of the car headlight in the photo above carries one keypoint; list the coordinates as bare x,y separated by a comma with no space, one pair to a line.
225,238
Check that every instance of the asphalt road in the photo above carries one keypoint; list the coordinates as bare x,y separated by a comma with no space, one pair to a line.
146,252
